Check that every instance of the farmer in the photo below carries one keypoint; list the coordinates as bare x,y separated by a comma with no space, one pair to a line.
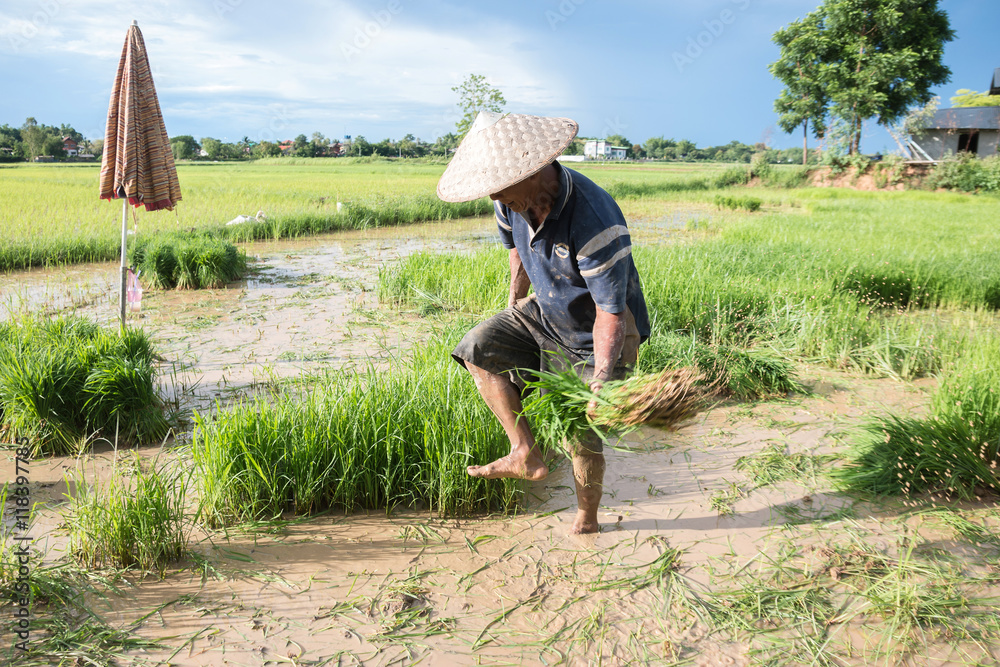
566,238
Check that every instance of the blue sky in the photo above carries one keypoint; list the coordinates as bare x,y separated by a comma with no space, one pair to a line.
383,68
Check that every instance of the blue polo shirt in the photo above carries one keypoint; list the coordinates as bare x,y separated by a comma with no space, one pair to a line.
581,255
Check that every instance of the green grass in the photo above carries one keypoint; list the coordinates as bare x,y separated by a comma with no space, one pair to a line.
137,519
64,628
749,204
362,439
186,261
65,382
71,224
774,464
744,374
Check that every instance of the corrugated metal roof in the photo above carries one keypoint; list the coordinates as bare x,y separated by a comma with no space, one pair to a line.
995,88
969,118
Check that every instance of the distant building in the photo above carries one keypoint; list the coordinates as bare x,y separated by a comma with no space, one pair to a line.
286,146
44,158
974,130
70,146
598,149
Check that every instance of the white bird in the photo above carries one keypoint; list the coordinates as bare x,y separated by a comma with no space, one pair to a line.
240,219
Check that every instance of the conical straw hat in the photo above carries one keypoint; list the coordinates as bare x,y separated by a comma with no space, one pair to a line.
501,150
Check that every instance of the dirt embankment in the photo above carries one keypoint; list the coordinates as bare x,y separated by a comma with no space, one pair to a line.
878,176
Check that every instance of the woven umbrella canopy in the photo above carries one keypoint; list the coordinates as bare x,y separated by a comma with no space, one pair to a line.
137,165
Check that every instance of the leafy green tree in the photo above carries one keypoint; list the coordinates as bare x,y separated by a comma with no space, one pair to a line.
212,147
266,149
184,147
53,145
232,152
872,59
804,100
384,148
685,148
446,143
654,146
476,95
970,98
361,146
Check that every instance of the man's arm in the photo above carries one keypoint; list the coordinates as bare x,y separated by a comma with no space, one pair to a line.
609,338
519,282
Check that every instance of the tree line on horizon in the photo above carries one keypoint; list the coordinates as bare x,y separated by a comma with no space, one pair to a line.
33,139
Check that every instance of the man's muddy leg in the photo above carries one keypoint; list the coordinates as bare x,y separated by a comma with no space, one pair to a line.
504,399
588,474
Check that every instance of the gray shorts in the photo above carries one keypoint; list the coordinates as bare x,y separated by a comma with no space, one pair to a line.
514,342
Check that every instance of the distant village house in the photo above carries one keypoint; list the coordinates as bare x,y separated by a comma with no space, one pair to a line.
70,146
974,130
596,149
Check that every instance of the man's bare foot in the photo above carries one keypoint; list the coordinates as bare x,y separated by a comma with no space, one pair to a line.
584,524
531,468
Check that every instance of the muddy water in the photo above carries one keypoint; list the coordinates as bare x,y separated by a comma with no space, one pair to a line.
411,587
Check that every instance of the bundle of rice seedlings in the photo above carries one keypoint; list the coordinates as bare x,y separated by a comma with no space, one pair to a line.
559,410
130,521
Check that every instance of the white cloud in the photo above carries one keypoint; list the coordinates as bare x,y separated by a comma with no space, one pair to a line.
330,61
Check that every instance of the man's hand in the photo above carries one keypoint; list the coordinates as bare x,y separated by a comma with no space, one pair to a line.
595,387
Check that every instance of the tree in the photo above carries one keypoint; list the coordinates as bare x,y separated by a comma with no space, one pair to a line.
446,143
685,148
361,146
212,147
861,59
970,98
804,98
184,147
476,95
266,149
655,146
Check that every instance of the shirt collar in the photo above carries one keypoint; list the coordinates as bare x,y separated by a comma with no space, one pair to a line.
565,190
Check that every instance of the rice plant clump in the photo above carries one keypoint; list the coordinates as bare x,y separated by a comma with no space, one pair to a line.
66,381
135,521
744,374
187,261
366,439
749,204
559,412
954,452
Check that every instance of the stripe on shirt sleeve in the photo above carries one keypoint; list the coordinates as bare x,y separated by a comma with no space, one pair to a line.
601,241
601,268
502,220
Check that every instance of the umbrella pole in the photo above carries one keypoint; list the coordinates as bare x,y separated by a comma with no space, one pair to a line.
124,267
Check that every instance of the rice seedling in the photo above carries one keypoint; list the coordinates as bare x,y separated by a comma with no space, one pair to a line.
749,204
977,533
722,500
559,410
137,522
954,452
356,439
907,456
729,370
186,261
66,381
64,628
775,464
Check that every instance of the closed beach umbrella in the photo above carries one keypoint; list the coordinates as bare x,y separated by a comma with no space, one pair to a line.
137,165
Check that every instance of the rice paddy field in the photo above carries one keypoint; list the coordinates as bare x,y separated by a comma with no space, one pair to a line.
271,471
